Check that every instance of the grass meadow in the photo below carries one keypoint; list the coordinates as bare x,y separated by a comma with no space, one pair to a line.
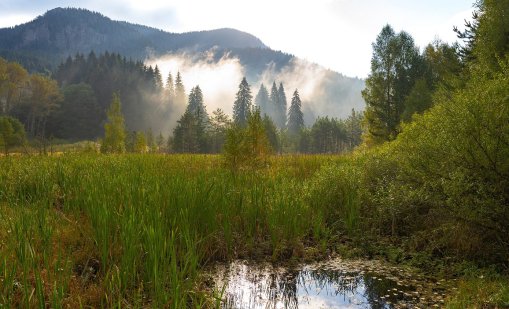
135,230
131,231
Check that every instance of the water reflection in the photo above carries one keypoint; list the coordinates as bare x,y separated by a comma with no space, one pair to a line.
318,286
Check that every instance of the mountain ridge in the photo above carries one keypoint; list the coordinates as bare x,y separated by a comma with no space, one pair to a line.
67,31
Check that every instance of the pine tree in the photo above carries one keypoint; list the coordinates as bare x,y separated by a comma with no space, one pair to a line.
281,107
262,100
196,106
114,130
295,116
274,102
185,134
242,105
393,65
170,89
353,125
180,91
219,124
158,79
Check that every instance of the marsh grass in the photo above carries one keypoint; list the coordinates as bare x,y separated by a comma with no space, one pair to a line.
135,230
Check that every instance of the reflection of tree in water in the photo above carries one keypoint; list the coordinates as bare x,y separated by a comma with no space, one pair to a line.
271,288
283,287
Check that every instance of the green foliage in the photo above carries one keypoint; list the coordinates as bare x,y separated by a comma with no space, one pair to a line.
196,106
186,135
442,183
140,144
13,79
490,39
136,230
170,89
43,99
395,66
79,116
443,66
353,126
440,187
480,292
418,100
139,87
247,147
219,124
114,130
242,105
295,115
180,91
328,135
280,108
458,152
262,101
272,133
12,133
334,191
190,135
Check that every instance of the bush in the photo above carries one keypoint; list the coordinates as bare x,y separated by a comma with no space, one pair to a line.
441,186
334,191
247,147
12,133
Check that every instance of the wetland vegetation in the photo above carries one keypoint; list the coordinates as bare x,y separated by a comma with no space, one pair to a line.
405,204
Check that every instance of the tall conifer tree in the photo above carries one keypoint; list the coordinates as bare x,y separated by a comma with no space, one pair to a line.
170,88
242,104
295,115
180,91
274,102
262,100
281,107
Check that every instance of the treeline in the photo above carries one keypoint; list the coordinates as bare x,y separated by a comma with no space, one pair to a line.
198,132
144,102
30,98
72,106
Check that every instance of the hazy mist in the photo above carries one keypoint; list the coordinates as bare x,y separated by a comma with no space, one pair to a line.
320,89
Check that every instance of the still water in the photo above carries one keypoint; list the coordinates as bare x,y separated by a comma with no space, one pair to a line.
332,284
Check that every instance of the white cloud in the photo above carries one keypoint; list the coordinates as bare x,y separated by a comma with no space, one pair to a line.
217,80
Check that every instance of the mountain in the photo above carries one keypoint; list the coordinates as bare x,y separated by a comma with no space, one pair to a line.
45,42
66,31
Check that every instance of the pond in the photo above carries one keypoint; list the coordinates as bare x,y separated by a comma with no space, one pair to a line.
335,283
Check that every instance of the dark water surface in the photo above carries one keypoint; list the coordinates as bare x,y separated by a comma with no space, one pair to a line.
333,284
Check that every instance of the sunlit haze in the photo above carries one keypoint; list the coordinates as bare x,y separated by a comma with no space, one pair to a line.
334,33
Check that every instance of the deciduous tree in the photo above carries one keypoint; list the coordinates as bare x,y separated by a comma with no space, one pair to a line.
114,129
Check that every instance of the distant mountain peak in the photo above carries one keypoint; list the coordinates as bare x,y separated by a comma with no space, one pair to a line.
65,31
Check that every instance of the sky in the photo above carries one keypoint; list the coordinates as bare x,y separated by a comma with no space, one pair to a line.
336,34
